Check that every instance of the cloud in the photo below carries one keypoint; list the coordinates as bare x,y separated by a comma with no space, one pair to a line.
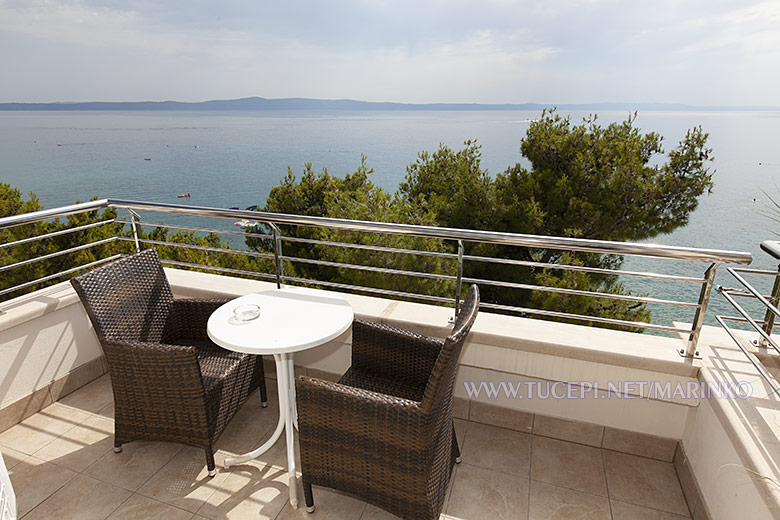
80,24
404,50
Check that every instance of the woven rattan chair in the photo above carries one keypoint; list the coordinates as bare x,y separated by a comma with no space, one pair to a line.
170,382
384,432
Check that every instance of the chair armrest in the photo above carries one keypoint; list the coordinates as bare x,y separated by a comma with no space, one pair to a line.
155,367
189,316
394,352
362,419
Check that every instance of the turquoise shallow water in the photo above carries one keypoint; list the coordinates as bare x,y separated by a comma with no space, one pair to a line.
226,159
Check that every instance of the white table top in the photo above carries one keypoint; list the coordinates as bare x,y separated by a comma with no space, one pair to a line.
291,319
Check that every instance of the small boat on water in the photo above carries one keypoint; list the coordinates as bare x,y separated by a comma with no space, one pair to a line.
246,223
183,195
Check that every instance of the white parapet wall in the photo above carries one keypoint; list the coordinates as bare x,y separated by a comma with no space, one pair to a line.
732,442
47,349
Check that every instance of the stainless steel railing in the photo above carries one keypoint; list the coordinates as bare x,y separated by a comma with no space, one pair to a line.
763,326
712,258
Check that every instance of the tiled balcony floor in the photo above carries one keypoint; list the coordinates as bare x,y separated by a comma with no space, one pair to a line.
62,466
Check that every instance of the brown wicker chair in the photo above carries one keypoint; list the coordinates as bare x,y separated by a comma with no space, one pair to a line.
170,382
384,432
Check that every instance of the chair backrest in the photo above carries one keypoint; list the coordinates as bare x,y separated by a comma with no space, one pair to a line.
442,380
128,299
7,497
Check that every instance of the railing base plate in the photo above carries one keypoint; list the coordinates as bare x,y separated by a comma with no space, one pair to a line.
684,354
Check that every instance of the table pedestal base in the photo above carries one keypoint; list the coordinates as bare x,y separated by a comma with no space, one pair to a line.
288,420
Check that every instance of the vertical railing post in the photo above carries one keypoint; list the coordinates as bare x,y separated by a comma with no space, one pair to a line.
278,268
134,219
698,319
769,317
459,278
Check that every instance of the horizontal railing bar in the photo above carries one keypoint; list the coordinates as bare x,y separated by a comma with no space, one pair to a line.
199,248
56,275
751,357
736,291
218,269
386,292
494,237
58,253
202,230
47,214
556,314
740,319
751,321
754,271
369,268
752,290
56,233
577,292
383,249
596,270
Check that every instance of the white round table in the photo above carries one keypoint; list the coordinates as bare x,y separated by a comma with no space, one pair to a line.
291,319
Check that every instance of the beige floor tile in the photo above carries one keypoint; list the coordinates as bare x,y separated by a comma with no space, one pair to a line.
645,482
82,498
460,431
135,464
503,417
107,411
376,513
497,449
277,455
248,427
34,480
635,443
549,502
329,504
40,429
92,397
11,457
479,493
623,511
460,408
566,430
568,465
80,446
252,490
184,482
139,507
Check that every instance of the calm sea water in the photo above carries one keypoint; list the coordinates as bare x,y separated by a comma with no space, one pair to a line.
226,159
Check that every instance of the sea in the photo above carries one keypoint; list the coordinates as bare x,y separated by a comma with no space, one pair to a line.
233,158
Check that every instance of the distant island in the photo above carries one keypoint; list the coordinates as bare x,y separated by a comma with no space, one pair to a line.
259,103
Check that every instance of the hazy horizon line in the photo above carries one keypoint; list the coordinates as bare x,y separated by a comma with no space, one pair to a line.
300,103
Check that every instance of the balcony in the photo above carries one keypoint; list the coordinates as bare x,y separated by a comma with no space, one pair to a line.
588,434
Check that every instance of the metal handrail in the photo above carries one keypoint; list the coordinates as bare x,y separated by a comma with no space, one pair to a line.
274,220
762,326
495,237
471,235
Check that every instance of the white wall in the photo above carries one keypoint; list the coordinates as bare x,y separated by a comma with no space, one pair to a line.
43,337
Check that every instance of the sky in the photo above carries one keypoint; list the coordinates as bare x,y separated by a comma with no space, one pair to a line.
697,52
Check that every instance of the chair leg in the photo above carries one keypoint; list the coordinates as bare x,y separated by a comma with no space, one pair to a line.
117,447
308,495
263,391
455,449
210,464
